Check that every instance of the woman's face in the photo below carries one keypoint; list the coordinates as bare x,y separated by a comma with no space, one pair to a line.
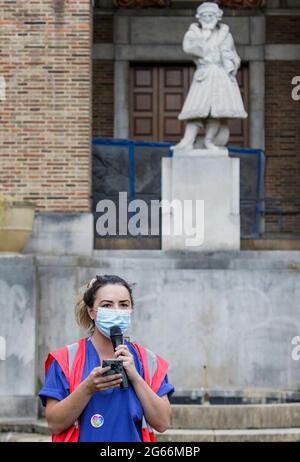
208,20
111,296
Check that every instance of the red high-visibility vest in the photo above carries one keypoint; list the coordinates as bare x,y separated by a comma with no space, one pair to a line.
71,359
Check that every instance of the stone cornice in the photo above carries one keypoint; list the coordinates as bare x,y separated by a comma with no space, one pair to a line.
164,3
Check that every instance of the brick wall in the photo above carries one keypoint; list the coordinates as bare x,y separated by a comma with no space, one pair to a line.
103,98
282,132
45,124
103,28
283,29
103,78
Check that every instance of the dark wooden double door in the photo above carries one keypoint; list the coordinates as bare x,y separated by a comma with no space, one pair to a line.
157,94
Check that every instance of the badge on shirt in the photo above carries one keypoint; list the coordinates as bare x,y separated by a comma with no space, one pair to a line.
97,420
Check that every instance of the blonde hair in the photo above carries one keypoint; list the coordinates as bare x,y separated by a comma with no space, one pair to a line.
82,316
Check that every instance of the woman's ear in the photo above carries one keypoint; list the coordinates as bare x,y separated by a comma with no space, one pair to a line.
92,313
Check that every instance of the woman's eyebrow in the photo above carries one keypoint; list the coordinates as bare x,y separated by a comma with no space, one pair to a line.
111,301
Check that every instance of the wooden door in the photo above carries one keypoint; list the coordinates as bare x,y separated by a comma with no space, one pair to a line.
157,94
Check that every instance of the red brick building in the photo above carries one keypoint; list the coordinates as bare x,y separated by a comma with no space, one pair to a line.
74,69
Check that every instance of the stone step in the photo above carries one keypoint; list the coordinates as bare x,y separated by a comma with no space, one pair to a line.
157,259
219,417
24,426
271,244
200,423
146,259
16,437
189,435
200,417
269,435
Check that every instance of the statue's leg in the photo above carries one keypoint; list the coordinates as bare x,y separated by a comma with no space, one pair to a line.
222,137
211,130
190,134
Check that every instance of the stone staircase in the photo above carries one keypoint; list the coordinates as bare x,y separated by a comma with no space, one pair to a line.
197,423
227,423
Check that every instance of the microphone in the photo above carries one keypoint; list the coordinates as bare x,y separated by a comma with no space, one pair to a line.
116,337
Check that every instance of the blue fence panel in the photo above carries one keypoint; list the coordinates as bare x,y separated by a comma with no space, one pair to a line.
252,176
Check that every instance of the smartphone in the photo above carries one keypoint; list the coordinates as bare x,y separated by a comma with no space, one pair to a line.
116,366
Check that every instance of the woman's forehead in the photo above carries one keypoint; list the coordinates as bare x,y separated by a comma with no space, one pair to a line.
112,291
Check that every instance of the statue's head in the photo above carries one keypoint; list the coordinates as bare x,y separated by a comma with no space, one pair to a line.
209,14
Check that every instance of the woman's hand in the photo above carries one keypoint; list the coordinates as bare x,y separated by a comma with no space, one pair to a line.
122,352
97,382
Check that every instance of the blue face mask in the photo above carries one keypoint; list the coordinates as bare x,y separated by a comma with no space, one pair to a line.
108,317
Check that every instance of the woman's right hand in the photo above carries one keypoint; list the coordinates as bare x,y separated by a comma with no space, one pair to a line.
97,382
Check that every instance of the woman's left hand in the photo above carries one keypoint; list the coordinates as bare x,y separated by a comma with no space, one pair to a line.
122,352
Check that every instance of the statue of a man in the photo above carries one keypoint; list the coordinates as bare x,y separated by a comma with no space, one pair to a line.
214,95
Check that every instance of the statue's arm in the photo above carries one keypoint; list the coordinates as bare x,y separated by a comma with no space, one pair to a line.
229,52
193,45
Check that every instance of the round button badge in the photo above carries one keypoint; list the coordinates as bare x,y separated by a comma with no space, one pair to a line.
97,420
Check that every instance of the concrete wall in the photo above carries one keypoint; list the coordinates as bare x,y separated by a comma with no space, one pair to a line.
18,291
61,234
224,321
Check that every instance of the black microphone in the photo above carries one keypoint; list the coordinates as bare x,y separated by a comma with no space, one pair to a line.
116,337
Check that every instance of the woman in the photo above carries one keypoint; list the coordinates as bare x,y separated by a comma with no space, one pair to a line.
214,96
82,404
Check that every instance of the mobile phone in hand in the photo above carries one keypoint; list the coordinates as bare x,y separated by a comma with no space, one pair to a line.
116,366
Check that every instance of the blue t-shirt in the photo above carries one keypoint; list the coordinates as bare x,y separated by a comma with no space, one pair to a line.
112,415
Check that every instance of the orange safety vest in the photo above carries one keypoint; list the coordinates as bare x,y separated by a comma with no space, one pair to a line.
71,359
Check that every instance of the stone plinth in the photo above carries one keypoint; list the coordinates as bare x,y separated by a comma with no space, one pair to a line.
218,152
207,187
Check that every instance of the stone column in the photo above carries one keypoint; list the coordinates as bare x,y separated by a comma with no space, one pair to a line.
121,108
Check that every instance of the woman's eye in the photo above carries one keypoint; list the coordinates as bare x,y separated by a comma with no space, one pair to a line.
111,306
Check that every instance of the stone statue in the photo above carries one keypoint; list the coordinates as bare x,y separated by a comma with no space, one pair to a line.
214,95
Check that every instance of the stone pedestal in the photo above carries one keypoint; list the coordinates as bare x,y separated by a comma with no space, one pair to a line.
61,234
206,187
218,152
